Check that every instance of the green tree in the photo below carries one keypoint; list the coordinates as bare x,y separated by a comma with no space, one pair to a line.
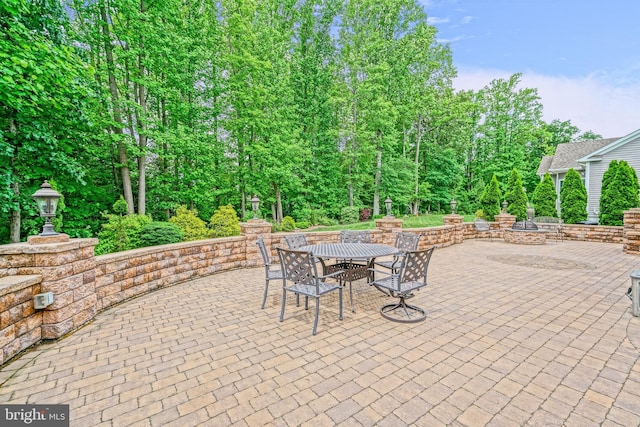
491,199
620,193
573,198
45,88
544,198
516,197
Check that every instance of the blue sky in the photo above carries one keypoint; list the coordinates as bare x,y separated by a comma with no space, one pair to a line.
583,56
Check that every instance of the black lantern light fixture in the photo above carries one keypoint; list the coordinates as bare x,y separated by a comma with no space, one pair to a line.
47,200
387,203
453,206
255,204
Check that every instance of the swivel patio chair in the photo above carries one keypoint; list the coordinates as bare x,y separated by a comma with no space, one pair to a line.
300,276
404,242
410,276
269,272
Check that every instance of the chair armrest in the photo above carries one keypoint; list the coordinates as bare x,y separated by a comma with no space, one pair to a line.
335,273
386,273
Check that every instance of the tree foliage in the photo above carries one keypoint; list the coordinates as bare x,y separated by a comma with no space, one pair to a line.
491,199
516,197
619,192
544,198
312,105
573,198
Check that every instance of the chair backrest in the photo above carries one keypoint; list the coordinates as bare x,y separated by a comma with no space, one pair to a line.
481,224
415,265
407,241
298,266
263,251
353,236
294,241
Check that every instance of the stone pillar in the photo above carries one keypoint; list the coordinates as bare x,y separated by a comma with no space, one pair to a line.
251,230
631,231
505,220
458,229
67,267
389,226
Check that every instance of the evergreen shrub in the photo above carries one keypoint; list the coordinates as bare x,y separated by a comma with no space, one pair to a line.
349,215
303,224
193,228
160,233
619,193
516,197
573,198
224,222
491,199
544,197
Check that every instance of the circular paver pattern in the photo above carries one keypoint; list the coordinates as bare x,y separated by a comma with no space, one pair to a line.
540,261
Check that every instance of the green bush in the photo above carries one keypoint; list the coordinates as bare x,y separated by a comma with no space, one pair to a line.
349,215
303,214
224,222
573,198
303,224
121,233
160,233
287,224
619,193
516,197
193,228
544,197
491,199
480,214
326,221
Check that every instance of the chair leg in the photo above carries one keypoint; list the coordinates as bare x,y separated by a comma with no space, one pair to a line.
306,302
315,322
284,299
264,298
353,309
340,302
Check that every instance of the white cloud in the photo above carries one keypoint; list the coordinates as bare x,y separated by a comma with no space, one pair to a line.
467,19
434,20
590,103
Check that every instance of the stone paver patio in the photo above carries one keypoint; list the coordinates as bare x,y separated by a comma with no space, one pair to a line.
514,336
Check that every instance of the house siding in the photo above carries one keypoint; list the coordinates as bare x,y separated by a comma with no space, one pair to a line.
630,152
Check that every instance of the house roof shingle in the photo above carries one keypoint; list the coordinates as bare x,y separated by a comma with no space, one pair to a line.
567,155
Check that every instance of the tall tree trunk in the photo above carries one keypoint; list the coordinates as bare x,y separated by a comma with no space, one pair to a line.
376,183
117,114
142,138
14,217
278,203
14,214
416,168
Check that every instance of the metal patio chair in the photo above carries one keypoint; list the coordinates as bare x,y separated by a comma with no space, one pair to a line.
404,242
410,276
300,276
269,272
294,241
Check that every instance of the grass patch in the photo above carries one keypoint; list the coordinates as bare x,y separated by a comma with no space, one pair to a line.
421,221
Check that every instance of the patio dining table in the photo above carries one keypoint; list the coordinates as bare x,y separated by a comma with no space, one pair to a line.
348,255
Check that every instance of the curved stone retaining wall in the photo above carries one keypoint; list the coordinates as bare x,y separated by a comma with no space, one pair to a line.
83,284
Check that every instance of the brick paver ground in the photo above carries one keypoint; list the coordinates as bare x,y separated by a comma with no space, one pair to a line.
515,335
